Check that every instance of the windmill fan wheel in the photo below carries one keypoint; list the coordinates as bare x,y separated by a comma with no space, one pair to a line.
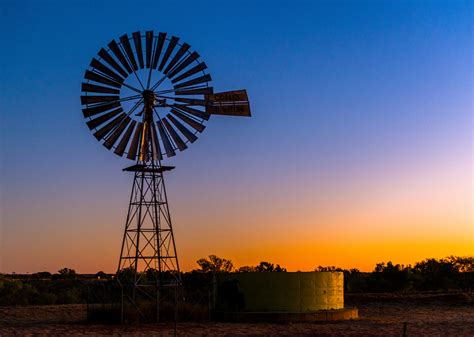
142,69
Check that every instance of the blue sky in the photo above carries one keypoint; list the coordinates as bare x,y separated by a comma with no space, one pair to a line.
346,96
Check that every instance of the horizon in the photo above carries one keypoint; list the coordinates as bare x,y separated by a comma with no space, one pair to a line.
237,268
358,151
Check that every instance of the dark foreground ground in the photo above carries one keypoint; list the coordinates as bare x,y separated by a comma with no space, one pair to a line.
380,315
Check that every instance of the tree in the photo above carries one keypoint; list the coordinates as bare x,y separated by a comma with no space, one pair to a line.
329,268
67,273
246,269
379,267
42,275
463,264
215,264
436,274
394,277
101,275
269,267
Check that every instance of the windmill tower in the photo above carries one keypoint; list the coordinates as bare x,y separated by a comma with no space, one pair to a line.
147,96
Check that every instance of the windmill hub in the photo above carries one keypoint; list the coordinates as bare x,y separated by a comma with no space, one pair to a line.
149,98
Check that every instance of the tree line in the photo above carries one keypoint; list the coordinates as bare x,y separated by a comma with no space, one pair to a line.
66,286
450,273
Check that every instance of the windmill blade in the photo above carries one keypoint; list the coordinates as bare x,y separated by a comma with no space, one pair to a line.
118,53
106,56
128,50
185,132
192,111
158,49
114,136
100,79
194,81
124,141
190,72
191,101
199,91
166,142
148,46
132,150
88,112
183,49
98,99
187,61
169,50
137,41
155,143
177,140
87,87
191,122
106,71
103,131
92,124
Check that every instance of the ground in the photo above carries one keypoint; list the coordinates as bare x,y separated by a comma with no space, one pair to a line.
378,316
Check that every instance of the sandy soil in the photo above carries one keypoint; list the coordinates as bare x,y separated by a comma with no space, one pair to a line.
377,318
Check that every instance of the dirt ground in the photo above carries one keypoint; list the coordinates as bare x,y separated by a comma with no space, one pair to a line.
378,316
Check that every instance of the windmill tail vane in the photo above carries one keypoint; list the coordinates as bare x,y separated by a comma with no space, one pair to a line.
229,103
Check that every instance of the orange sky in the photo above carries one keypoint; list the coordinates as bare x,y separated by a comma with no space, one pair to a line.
359,149
348,221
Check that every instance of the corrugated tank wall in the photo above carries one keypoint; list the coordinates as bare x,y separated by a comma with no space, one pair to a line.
292,292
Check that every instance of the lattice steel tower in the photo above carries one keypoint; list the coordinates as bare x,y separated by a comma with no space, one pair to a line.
148,241
147,96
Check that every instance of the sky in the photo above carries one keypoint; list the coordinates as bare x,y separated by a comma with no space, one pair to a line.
359,148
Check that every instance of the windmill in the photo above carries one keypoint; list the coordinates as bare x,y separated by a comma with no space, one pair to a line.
147,96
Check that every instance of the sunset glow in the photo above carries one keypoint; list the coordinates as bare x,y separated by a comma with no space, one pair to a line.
358,151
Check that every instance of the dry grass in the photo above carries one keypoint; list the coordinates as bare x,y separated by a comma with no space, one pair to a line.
380,315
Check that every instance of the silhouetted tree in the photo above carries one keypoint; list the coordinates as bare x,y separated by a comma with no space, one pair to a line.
392,277
246,269
102,276
355,281
66,273
152,274
328,268
436,274
463,264
269,267
126,275
215,264
42,275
